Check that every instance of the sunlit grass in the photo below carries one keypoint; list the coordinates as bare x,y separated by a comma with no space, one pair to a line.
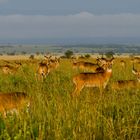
54,115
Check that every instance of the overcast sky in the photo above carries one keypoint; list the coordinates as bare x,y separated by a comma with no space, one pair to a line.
25,19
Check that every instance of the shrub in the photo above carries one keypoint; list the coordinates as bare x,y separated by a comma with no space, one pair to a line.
87,56
68,53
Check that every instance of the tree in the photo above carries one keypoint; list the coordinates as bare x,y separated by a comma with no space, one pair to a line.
68,54
31,56
109,54
87,56
37,53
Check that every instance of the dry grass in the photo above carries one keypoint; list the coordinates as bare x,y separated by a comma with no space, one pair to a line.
54,115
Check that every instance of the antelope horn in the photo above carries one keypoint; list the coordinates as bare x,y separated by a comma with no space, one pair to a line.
134,68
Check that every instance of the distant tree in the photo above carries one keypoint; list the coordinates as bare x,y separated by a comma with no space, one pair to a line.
37,53
109,54
87,56
31,56
68,54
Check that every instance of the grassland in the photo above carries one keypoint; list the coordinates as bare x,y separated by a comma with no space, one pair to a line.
55,116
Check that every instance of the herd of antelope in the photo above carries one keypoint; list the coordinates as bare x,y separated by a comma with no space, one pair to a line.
94,79
47,65
94,75
102,71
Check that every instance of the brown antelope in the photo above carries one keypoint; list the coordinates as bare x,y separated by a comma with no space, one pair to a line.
86,66
46,66
126,84
53,63
13,102
99,79
43,70
9,69
101,61
135,59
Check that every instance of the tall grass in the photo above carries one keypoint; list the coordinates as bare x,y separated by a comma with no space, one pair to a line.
54,115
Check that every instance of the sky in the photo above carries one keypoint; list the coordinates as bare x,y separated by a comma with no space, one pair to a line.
61,19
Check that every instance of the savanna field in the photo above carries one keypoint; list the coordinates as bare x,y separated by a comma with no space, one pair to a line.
54,115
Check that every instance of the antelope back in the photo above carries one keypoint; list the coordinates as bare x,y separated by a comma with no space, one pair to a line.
13,101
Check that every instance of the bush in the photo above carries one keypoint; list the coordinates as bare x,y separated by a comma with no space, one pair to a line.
109,54
87,56
68,53
31,56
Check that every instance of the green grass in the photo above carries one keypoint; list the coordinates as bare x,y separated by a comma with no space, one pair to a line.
54,115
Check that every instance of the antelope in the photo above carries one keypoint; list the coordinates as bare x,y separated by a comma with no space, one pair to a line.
123,84
85,66
99,79
9,69
46,66
43,70
95,67
13,102
136,59
101,61
53,63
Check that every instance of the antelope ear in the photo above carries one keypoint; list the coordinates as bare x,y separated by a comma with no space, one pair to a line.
134,71
112,60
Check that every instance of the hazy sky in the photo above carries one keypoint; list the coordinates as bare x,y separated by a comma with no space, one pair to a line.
25,19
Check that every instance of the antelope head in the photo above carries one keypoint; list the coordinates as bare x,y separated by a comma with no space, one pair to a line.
137,73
